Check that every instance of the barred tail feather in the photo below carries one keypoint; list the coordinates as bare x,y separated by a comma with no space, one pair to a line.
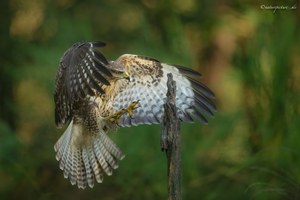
84,156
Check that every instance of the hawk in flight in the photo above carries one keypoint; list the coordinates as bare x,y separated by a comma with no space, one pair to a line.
94,96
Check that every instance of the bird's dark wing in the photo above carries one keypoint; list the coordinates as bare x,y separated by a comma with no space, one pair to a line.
82,71
148,85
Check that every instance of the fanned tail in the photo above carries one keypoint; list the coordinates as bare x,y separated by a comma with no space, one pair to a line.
84,156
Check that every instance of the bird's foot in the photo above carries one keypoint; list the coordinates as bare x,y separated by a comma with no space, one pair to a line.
115,118
132,107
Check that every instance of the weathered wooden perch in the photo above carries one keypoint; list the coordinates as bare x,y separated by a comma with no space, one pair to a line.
170,141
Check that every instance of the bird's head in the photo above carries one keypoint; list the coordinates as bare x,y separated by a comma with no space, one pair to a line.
118,71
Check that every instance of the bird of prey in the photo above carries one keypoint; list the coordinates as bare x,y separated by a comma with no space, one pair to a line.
94,96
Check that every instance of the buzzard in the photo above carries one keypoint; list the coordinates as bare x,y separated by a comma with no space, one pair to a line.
94,96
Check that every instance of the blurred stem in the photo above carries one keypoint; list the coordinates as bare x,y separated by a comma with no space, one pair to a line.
7,105
266,68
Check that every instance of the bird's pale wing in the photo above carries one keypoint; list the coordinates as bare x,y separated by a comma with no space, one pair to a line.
82,71
148,85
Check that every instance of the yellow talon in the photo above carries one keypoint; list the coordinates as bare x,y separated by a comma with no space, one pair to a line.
132,107
115,118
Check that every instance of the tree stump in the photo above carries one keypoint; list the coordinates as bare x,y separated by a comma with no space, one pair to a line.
171,141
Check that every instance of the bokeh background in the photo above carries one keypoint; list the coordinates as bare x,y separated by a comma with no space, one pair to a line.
249,56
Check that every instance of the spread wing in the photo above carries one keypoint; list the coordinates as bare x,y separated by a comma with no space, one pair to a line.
148,84
82,71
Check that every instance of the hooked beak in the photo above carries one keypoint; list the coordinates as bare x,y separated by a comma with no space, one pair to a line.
126,76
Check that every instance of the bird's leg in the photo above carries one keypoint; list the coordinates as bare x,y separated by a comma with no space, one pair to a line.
115,118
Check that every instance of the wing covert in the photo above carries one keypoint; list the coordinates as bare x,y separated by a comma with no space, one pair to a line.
148,84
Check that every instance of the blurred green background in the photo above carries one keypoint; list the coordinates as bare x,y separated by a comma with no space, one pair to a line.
249,56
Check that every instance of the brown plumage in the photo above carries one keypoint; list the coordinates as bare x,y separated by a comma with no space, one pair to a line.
95,96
